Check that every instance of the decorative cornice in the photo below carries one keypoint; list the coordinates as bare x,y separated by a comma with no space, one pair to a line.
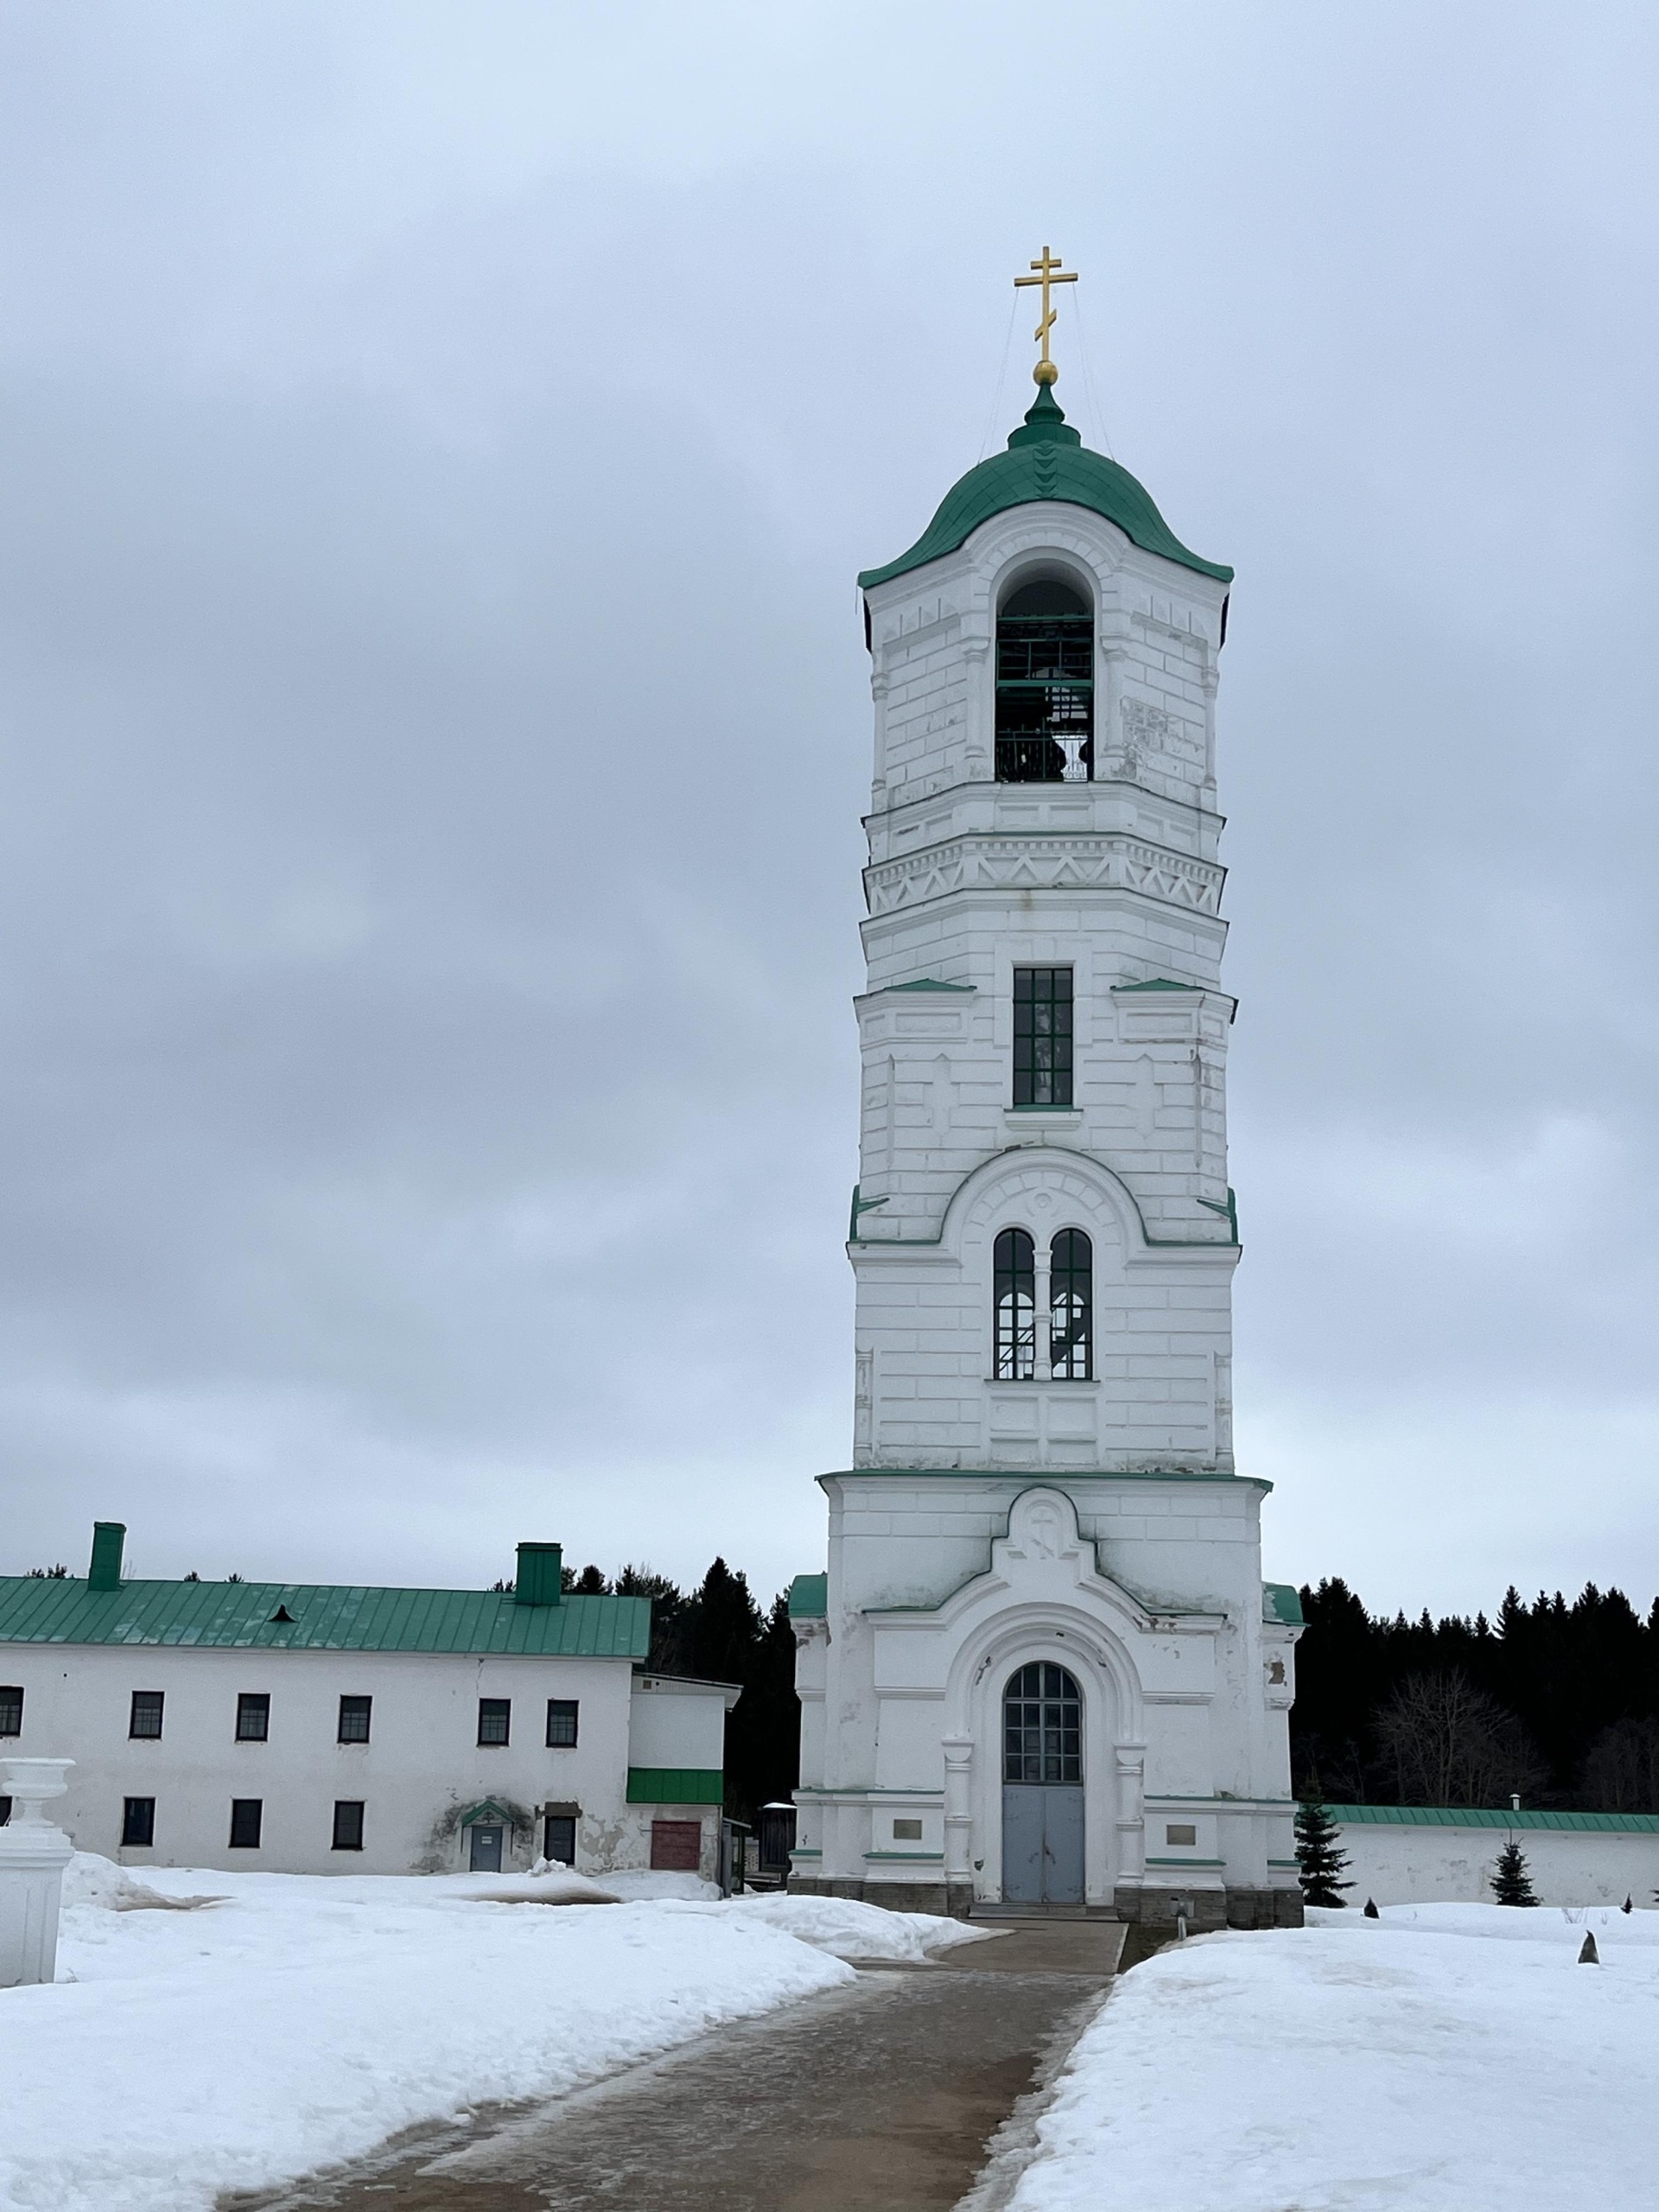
1044,862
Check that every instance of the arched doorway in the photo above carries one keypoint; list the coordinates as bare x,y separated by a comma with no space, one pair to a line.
1042,1786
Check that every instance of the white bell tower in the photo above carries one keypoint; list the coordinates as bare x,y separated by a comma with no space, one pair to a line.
1043,1232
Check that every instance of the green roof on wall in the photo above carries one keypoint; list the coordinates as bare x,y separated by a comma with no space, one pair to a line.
320,1616
1482,1816
1045,460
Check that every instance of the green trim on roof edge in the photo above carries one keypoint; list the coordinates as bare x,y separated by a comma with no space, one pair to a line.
1482,1816
1282,1602
1045,460
809,1598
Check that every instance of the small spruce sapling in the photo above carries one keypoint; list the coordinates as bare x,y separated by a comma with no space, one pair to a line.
1318,1854
1588,1955
1511,1882
1371,1912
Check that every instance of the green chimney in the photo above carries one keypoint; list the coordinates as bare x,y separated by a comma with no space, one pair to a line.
109,1539
541,1574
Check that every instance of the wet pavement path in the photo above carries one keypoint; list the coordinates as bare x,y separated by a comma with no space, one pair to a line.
879,2098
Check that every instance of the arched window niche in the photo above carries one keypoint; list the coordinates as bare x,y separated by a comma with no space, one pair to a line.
1014,1294
1044,683
1071,1307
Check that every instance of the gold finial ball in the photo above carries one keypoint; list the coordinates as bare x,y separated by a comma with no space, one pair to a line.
1044,373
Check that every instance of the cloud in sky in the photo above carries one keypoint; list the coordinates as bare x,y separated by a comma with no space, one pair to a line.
438,441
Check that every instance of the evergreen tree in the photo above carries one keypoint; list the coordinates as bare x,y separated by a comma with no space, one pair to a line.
1318,1854
1511,1882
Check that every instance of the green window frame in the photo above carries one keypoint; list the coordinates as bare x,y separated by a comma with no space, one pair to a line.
1042,1036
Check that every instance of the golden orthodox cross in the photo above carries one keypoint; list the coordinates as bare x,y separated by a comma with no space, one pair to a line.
1049,272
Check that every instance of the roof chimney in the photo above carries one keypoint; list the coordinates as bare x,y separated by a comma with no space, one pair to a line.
540,1579
109,1541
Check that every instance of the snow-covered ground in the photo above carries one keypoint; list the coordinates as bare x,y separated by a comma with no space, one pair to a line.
293,2020
1442,2058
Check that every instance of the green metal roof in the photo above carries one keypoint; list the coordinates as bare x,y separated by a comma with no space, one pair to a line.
1155,983
1045,460
1473,1816
322,1617
1282,1602
809,1598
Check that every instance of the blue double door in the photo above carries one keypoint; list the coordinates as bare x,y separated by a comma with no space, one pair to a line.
1042,1843
1042,1786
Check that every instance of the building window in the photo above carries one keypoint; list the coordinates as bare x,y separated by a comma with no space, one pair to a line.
146,1718
1071,1307
561,1722
559,1838
1042,1036
247,1817
252,1718
1042,1725
1016,1307
349,1824
355,1720
11,1710
138,1823
494,1719
5,1811
1045,686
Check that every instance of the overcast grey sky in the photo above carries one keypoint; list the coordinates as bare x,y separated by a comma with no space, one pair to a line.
438,440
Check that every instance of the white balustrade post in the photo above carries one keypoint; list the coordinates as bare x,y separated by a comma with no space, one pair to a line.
33,1855
958,1812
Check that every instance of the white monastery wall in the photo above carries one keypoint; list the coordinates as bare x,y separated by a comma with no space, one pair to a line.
1429,1865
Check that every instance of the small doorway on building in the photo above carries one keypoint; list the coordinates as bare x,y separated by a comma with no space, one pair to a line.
485,1855
559,1838
1042,1787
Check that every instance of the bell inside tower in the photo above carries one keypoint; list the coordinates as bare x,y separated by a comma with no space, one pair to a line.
1045,686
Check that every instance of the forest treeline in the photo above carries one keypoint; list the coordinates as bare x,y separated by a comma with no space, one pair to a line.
718,1633
1557,1701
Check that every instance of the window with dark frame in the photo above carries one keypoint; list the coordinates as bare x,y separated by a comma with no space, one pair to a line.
5,1810
559,1838
355,1720
1015,1309
349,1824
561,1723
247,1818
145,1720
1042,1036
1045,686
138,1823
253,1718
1071,1307
494,1720
1042,1725
11,1710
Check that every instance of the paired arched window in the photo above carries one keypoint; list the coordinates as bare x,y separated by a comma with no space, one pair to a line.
1045,686
1071,1307
1042,1725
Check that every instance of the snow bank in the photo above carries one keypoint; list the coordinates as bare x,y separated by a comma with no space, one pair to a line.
301,2019
1442,2058
858,1931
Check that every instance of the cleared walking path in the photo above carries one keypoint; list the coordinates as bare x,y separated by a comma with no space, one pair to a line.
880,2098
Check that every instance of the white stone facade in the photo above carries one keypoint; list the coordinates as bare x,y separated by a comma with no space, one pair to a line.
419,1778
1396,1857
1098,1522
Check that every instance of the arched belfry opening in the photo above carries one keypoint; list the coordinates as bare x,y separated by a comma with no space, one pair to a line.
1045,685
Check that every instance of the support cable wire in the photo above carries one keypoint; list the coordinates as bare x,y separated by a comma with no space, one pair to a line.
1002,378
1089,393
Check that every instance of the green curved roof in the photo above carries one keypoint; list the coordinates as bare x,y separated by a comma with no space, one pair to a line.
1045,460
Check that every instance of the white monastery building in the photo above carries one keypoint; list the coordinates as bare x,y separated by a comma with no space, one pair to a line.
311,1729
1043,1668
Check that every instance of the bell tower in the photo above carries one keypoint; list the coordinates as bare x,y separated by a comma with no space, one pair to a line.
1042,1669
1043,1233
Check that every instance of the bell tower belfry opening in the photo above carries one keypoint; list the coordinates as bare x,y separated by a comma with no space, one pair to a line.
1043,1489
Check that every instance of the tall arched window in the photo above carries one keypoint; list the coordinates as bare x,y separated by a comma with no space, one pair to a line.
1045,686
1071,1307
1042,1725
1015,1260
